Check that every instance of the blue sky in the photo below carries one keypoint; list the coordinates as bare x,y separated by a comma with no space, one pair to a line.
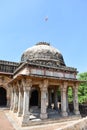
22,24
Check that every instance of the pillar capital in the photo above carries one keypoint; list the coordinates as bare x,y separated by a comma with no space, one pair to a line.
10,85
44,85
19,84
75,87
64,86
27,82
15,86
25,88
46,82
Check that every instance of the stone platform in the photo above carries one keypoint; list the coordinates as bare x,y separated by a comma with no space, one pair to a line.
35,120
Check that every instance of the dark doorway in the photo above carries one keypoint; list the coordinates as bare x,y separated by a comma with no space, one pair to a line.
52,96
34,98
3,99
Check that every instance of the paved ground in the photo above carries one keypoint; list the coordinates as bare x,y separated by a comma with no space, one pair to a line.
4,122
7,123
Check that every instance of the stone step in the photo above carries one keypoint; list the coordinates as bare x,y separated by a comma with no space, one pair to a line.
53,120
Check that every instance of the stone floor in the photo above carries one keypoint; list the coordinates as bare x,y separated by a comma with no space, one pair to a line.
4,122
8,123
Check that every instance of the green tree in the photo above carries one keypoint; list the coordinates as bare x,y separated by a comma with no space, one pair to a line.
82,91
70,96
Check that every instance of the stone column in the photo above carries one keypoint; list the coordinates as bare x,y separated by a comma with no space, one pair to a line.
55,99
44,89
15,108
75,100
26,114
12,99
8,96
63,99
20,102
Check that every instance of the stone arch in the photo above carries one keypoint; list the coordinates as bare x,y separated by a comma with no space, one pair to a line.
3,96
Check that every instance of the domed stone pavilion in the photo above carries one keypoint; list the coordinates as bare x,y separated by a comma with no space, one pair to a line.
39,85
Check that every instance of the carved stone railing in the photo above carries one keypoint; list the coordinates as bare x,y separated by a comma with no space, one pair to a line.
7,66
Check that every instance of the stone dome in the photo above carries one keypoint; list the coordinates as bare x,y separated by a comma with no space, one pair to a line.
43,53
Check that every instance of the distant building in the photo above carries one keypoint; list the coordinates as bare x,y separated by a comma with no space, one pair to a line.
31,87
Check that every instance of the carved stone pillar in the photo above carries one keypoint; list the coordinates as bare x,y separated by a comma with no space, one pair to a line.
12,99
75,99
20,101
44,89
55,99
9,96
15,107
63,99
26,88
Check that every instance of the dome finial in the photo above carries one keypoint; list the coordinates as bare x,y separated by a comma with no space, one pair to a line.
43,43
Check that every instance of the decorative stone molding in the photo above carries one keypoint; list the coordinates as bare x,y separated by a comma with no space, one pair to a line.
26,83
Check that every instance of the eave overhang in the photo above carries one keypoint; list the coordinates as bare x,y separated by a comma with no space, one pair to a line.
28,64
21,76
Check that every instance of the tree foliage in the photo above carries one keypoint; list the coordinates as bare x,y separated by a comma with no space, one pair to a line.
82,92
70,95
